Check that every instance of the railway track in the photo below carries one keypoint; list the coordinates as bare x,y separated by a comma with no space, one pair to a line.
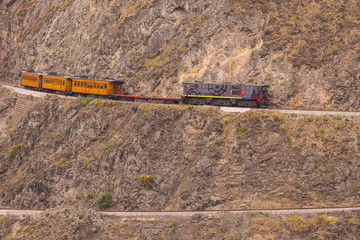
224,109
285,211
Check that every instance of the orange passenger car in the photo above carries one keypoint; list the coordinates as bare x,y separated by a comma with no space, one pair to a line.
105,87
57,83
30,79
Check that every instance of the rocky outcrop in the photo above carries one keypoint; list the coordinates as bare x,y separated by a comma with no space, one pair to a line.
308,51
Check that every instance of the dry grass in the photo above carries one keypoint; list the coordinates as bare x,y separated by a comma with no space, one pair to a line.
297,224
265,225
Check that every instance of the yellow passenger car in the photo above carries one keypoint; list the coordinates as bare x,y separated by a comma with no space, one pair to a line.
30,79
57,83
104,87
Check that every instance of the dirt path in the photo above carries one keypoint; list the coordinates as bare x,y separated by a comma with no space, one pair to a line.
300,112
33,93
191,213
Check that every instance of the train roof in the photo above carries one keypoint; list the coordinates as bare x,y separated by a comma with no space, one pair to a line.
80,77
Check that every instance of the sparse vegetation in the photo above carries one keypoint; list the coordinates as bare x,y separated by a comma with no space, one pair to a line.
214,163
173,224
101,215
147,180
105,200
325,220
47,214
226,121
89,196
321,130
15,150
98,102
80,215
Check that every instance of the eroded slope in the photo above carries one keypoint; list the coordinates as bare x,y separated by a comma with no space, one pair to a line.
197,157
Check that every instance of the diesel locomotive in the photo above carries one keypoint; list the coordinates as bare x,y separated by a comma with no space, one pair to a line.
196,93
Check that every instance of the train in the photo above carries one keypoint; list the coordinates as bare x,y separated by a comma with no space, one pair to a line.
194,93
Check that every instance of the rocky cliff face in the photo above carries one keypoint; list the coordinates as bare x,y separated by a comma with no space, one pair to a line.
308,51
161,157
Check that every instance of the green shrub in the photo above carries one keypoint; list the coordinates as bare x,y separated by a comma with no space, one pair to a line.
86,100
105,200
288,138
106,147
351,222
101,215
89,196
62,160
47,214
46,137
80,215
98,102
173,224
321,130
116,128
40,18
226,122
147,180
243,129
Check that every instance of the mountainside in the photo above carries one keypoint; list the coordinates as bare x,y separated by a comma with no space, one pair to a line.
173,157
308,51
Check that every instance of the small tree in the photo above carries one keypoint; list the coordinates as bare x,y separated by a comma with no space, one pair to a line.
105,200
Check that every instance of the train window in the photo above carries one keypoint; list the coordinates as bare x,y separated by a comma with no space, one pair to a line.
105,86
98,85
82,84
101,85
235,92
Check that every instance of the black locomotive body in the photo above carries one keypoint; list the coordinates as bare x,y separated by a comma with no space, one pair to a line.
225,94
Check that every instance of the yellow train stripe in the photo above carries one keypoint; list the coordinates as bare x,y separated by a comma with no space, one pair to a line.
204,96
